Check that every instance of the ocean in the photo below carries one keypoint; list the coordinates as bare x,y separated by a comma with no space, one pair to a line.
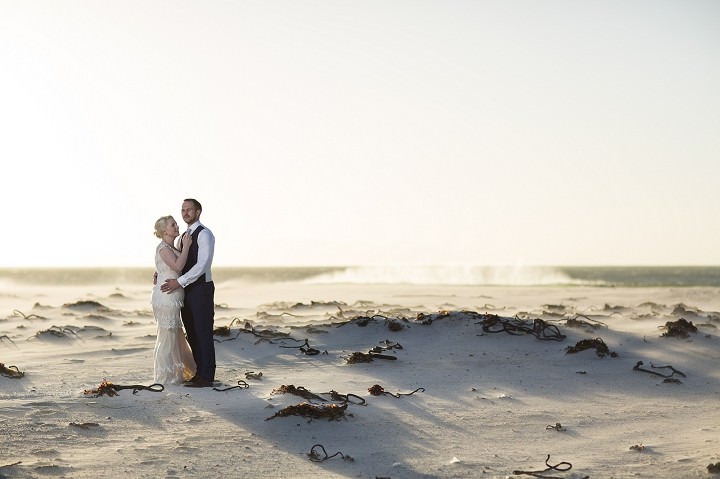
600,276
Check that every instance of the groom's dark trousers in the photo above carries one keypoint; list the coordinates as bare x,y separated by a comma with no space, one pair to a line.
198,316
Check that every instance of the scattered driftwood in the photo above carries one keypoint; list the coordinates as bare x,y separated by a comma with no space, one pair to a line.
11,371
377,390
331,412
679,329
315,456
107,388
714,468
598,344
637,447
5,337
557,427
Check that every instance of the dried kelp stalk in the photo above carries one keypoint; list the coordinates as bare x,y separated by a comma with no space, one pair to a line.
265,334
336,396
297,391
679,329
107,388
304,348
374,353
673,372
393,324
358,357
57,331
561,467
714,468
225,330
306,394
315,456
386,345
598,344
584,323
240,385
428,319
539,328
17,312
11,371
377,390
331,412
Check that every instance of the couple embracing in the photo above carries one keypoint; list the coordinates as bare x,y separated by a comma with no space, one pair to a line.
184,294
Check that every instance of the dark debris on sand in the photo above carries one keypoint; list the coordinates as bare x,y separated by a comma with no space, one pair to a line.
601,349
331,412
679,329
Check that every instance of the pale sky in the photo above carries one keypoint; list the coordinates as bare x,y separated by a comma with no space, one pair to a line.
334,132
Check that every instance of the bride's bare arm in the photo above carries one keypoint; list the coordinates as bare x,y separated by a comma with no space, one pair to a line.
177,263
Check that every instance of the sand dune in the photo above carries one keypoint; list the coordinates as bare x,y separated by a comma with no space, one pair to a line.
462,396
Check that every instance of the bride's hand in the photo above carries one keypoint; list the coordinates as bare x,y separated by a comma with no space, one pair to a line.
186,240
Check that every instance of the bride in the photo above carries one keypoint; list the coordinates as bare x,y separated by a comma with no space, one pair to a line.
173,359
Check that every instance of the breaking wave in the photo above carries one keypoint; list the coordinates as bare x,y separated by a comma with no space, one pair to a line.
448,275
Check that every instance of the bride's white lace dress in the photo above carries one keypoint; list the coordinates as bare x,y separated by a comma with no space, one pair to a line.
173,358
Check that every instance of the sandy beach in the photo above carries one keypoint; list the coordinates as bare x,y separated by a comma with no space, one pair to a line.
469,382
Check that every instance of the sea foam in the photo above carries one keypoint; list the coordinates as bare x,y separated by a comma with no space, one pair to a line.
447,275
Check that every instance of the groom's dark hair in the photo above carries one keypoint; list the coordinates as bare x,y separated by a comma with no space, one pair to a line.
195,202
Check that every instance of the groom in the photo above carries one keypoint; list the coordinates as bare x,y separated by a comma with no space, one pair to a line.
198,311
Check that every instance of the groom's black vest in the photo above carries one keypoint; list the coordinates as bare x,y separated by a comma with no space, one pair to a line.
193,254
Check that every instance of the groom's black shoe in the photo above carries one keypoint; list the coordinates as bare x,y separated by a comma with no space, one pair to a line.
199,382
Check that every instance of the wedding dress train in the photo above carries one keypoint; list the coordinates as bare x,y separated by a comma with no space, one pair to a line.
173,358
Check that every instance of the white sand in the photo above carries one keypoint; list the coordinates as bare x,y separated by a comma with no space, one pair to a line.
484,411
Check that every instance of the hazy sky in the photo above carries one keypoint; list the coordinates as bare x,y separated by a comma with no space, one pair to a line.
494,132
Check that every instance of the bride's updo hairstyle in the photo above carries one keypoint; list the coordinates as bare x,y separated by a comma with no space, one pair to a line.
160,225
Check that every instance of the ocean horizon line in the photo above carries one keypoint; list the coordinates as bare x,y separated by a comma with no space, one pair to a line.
378,265
444,275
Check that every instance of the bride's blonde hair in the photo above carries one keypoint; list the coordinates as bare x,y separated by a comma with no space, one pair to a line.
160,225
